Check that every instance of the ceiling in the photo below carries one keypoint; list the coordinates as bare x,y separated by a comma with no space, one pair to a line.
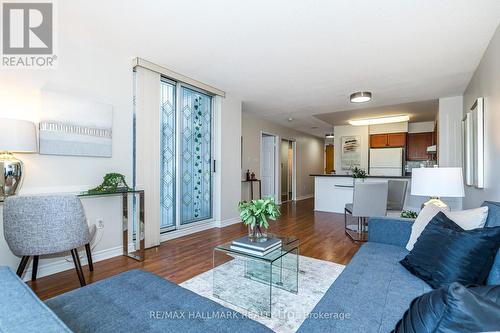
418,111
295,58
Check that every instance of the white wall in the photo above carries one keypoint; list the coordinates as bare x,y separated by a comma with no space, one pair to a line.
94,73
450,116
230,166
309,152
421,127
389,128
99,71
348,130
486,83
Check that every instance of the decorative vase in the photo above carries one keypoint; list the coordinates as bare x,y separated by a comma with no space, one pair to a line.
257,234
357,180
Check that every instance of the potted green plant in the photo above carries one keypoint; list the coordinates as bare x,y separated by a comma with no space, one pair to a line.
409,214
358,173
256,215
112,182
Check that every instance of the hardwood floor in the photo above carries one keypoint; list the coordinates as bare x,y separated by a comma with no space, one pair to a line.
321,236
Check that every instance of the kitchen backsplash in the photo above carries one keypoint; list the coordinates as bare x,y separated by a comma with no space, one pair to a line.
419,164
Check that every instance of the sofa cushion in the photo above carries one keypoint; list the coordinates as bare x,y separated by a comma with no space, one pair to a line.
137,301
453,309
371,294
467,219
21,310
446,253
493,221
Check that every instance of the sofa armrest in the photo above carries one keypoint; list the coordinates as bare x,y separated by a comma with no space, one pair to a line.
387,230
21,310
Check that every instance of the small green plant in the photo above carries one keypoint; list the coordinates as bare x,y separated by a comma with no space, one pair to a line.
358,173
112,182
409,214
257,213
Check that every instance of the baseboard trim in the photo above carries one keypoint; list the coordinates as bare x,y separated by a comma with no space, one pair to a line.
187,231
62,264
229,222
304,197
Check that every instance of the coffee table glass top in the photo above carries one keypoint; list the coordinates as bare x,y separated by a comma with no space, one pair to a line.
288,244
248,280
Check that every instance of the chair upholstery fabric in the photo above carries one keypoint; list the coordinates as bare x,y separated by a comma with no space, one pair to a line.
21,310
40,225
137,301
370,199
396,194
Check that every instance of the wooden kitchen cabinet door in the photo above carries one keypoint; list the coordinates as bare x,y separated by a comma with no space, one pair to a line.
417,146
378,140
396,139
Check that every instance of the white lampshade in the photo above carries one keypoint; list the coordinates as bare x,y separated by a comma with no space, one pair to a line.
437,182
17,136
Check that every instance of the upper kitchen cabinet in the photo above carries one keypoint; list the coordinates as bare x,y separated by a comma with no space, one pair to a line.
388,140
417,146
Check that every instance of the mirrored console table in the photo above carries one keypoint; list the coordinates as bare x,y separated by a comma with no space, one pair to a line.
133,229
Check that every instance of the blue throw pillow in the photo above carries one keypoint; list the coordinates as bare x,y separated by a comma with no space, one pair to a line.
453,309
446,253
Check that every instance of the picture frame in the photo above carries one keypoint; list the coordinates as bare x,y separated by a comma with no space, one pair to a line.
473,144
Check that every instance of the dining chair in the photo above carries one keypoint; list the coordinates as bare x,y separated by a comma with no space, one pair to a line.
36,226
369,200
396,194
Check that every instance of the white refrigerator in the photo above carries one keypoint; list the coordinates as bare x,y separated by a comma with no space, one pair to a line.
386,162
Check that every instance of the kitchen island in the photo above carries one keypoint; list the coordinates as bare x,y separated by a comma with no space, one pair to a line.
333,192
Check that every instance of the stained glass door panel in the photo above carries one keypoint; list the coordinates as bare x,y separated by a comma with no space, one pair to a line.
167,155
195,156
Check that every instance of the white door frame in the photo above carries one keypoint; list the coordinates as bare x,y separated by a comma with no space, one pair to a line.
294,169
276,163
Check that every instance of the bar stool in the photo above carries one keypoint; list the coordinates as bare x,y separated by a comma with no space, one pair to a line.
369,200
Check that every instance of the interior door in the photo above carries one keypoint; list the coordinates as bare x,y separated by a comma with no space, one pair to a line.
268,157
329,159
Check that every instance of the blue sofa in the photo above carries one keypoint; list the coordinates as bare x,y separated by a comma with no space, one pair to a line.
374,290
134,301
370,295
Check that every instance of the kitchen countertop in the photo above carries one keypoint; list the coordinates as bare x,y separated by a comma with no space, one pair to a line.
350,176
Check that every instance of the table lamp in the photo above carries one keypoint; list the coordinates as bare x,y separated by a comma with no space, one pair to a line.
16,136
436,183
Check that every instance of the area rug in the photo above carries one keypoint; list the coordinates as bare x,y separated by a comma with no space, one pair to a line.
289,310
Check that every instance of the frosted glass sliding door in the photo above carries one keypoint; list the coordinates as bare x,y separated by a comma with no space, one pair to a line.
185,155
167,155
195,156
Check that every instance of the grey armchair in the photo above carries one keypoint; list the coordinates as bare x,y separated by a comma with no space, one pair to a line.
40,225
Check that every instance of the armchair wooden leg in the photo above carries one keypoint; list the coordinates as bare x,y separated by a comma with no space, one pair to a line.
35,268
89,257
78,267
22,265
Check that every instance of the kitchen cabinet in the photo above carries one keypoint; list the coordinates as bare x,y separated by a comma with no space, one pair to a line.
417,146
388,140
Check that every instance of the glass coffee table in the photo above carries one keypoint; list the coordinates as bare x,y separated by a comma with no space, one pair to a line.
247,280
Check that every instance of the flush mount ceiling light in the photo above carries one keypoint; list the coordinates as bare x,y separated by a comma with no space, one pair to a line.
361,97
380,120
329,136
290,119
